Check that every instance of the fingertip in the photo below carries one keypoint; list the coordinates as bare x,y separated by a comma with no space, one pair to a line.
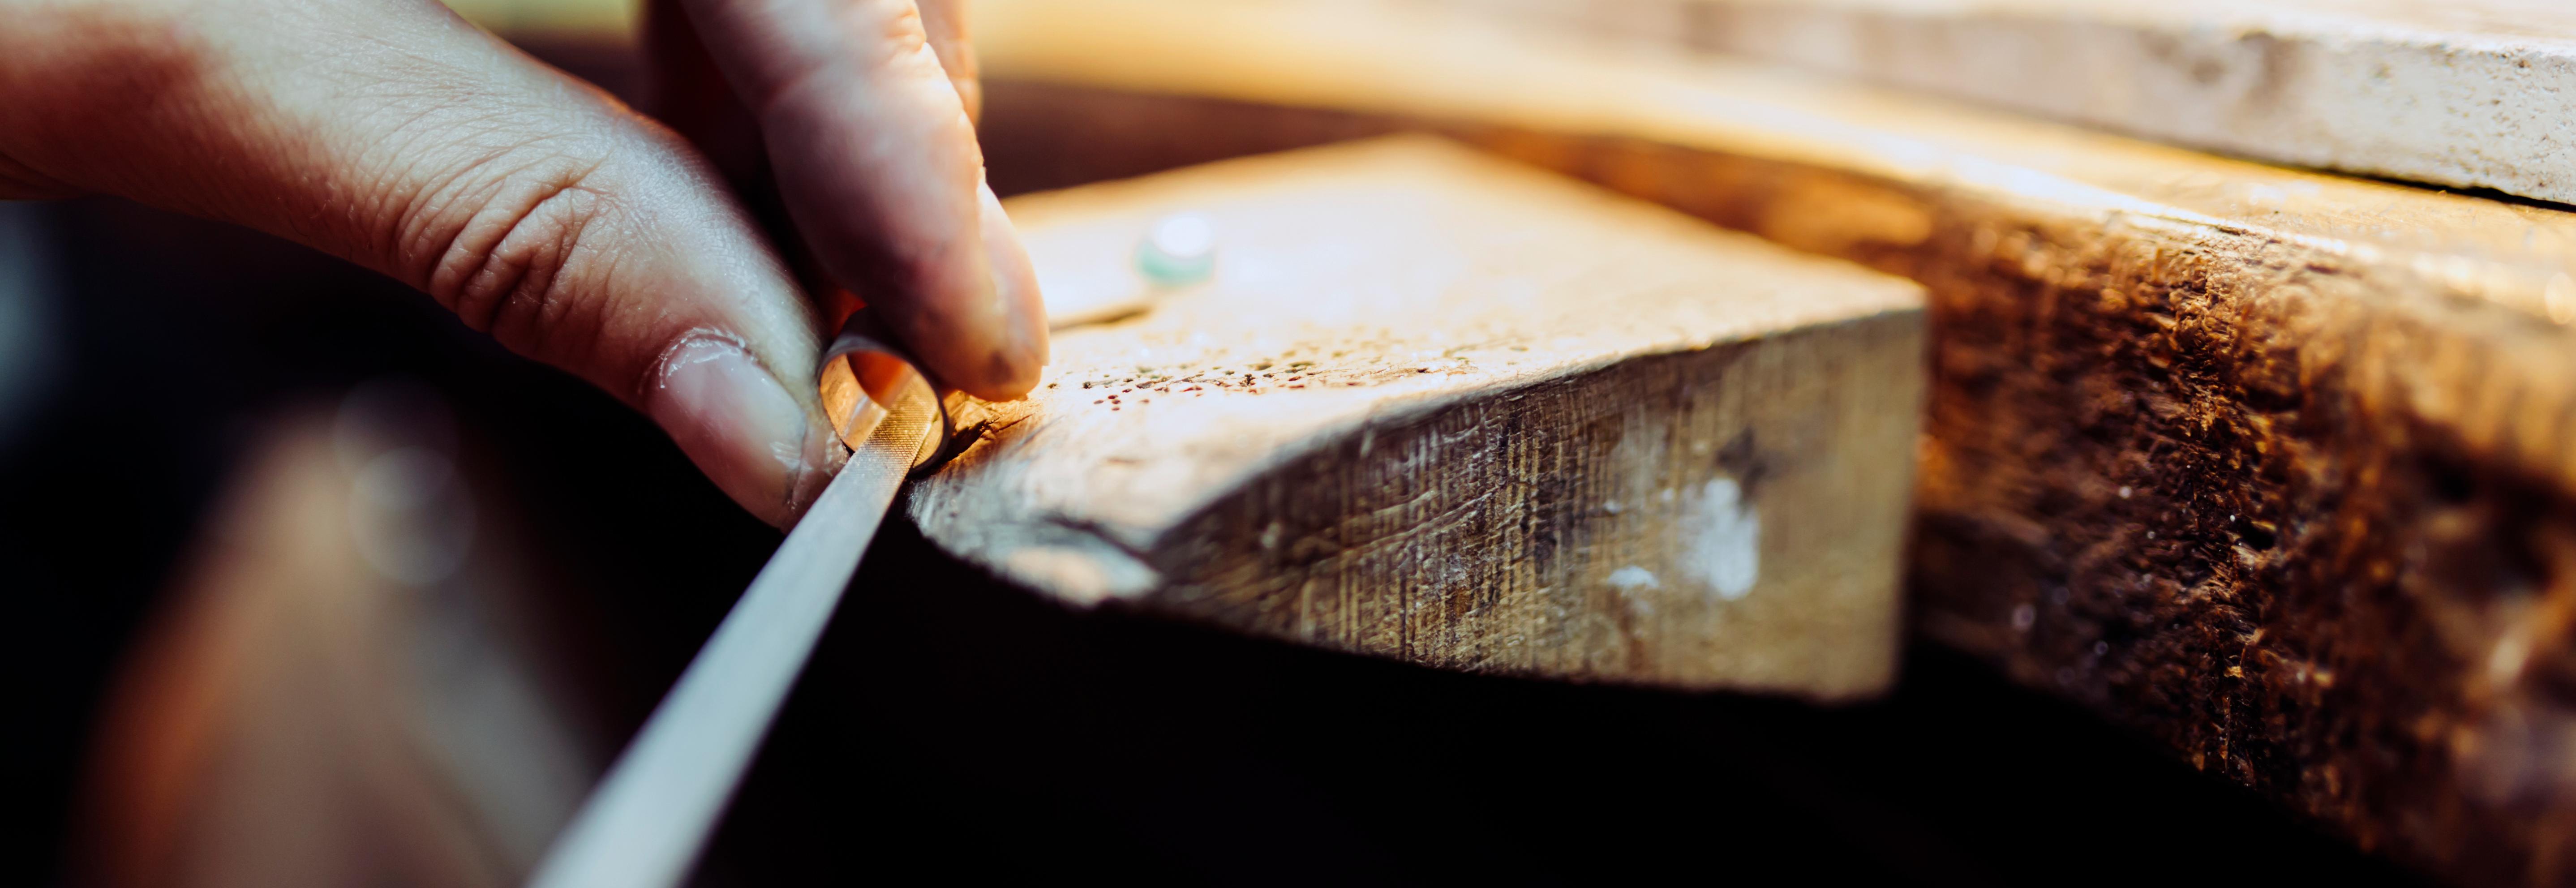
739,423
1004,371
988,339
1018,302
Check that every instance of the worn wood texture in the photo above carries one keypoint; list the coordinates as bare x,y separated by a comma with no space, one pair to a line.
2273,467
1444,408
2465,93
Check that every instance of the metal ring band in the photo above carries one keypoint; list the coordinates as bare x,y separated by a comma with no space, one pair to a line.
864,334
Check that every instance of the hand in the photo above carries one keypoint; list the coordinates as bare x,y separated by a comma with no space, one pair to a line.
541,211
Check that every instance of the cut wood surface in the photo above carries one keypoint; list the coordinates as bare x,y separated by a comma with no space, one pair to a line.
1441,407
2278,468
2463,93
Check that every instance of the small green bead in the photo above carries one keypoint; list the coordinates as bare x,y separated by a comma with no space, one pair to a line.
1179,251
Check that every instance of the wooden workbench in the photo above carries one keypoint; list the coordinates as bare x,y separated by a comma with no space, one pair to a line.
2274,467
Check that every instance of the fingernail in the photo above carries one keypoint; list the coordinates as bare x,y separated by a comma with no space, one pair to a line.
1015,288
740,425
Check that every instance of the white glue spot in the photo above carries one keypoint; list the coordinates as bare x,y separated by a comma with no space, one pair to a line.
1184,236
1632,578
1722,540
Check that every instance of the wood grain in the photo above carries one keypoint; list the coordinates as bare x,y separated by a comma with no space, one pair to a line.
2469,94
2271,466
1443,408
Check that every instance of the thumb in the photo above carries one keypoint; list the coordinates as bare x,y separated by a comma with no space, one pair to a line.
393,134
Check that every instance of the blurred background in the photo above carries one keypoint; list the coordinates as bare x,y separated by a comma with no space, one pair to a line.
313,586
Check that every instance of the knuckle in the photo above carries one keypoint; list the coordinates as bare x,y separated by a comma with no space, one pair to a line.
507,247
895,25
882,36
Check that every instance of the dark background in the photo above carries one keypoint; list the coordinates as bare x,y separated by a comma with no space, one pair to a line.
952,726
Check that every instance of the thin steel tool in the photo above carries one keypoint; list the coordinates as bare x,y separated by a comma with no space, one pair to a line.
645,824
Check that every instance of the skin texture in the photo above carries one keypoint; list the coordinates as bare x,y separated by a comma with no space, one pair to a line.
571,228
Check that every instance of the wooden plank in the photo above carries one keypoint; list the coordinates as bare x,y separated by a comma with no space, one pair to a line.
2468,94
1444,408
2274,467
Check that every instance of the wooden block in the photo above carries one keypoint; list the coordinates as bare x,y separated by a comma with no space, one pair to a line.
2277,468
1440,407
2469,93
